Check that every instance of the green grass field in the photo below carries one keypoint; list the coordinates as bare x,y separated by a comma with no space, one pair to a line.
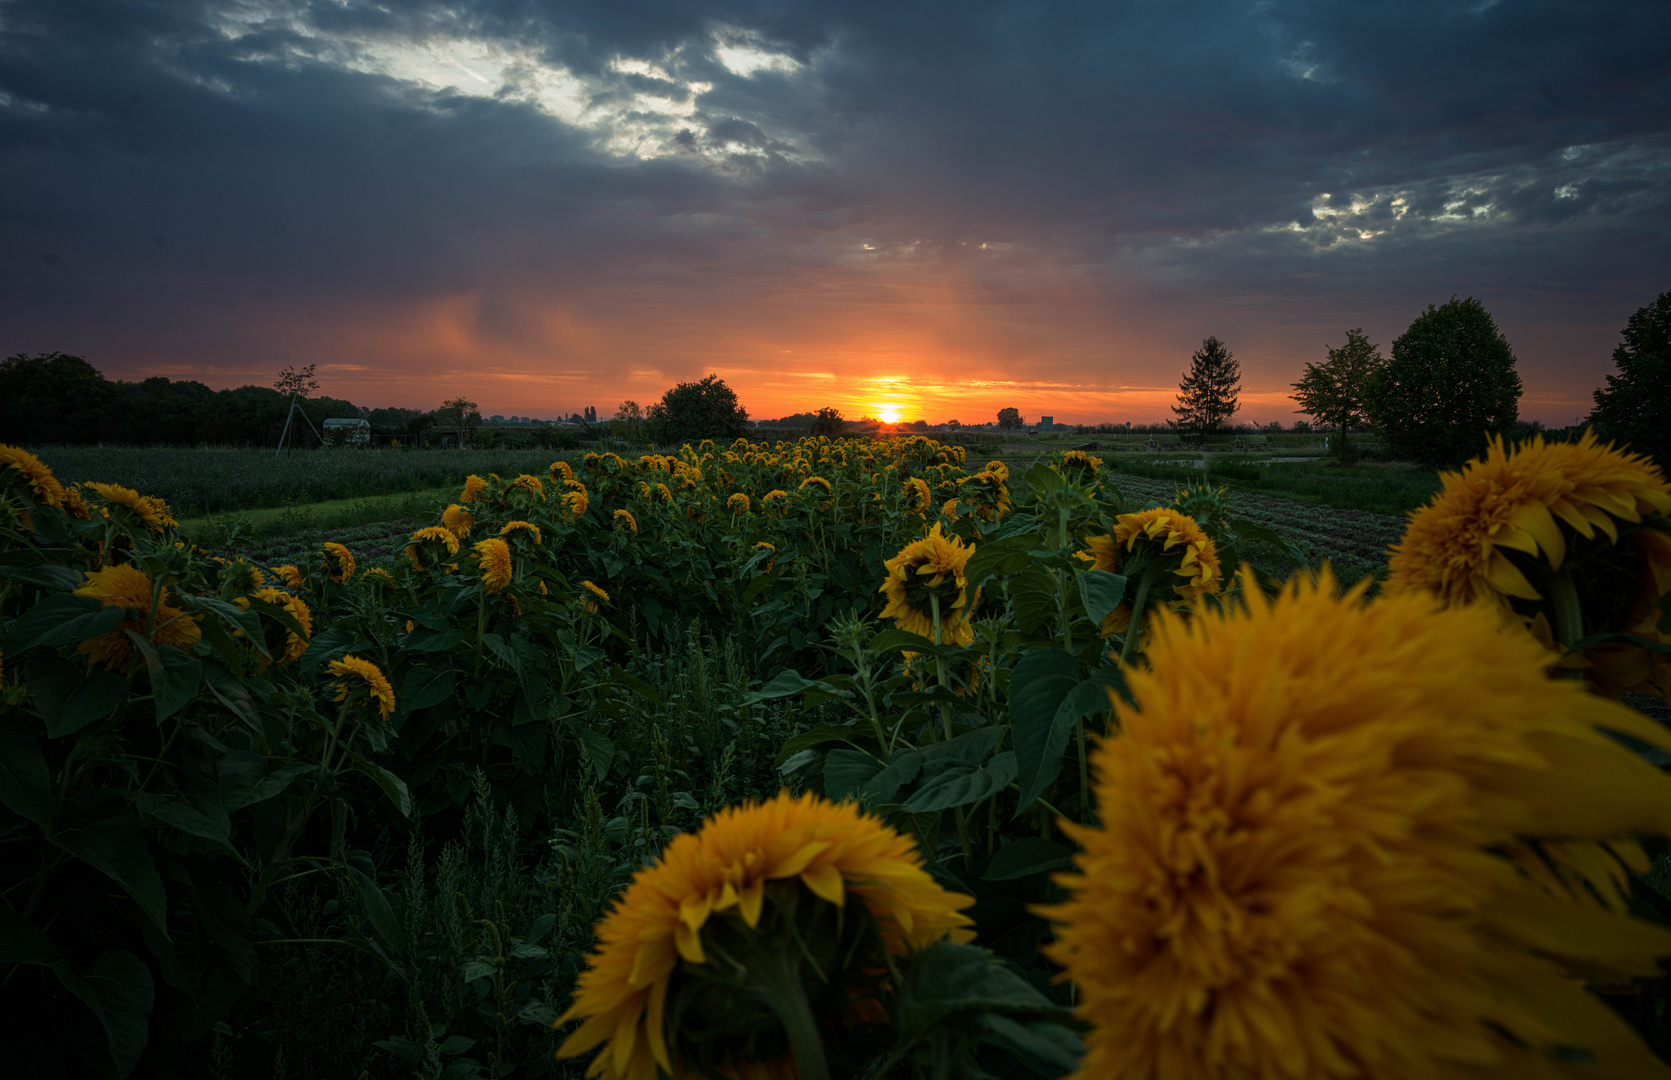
199,481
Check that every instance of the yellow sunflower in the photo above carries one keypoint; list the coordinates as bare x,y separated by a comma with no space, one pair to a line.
76,505
339,563
1159,537
356,676
514,529
560,471
762,545
623,517
530,484
473,488
1300,865
431,546
239,578
459,521
376,575
949,509
917,494
1547,533
153,512
733,880
663,493
283,644
595,591
576,503
292,577
925,571
776,495
30,474
127,587
816,480
737,504
493,555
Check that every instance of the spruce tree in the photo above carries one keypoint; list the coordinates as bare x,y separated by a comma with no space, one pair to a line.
1635,405
1207,393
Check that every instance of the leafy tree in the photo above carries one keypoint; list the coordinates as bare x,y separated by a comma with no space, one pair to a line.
1635,405
828,422
1334,391
629,417
1009,419
53,398
1449,386
954,424
693,411
1207,393
458,415
293,383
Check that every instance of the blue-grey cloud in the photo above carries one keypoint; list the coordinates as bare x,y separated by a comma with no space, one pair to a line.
585,190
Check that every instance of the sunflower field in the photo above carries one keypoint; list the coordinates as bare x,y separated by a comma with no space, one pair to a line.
840,758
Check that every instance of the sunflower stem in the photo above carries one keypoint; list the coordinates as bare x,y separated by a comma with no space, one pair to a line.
946,724
1569,616
1135,630
787,997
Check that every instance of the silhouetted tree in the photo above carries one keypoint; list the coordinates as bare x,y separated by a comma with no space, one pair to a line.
53,398
458,415
1449,386
1009,419
1635,405
828,422
1334,391
1207,393
693,411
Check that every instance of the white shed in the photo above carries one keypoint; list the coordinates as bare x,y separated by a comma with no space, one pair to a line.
346,432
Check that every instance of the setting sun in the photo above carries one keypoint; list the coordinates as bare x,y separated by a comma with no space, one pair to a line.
888,414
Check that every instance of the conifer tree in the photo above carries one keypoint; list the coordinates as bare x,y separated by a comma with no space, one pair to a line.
1207,393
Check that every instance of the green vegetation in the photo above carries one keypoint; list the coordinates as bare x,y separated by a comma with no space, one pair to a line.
197,481
1393,488
1635,405
1449,386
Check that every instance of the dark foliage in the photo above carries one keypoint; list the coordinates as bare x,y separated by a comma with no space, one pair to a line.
1635,405
1207,392
693,411
1450,385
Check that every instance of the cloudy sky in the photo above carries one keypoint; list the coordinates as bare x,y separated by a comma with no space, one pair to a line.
923,209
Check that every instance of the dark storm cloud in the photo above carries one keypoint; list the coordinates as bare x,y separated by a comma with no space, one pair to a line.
336,164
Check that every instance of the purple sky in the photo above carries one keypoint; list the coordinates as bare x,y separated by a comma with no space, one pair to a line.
926,210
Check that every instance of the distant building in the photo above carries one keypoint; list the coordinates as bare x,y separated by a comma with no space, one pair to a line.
347,432
1046,422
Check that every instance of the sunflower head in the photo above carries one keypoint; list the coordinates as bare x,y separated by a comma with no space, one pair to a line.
292,577
815,481
776,499
127,506
596,591
459,521
737,503
360,680
1564,537
127,587
28,476
493,556
528,486
688,973
377,576
1078,467
339,563
474,486
624,519
1165,541
917,495
928,573
560,471
1304,862
284,644
431,547
575,502
521,533
240,578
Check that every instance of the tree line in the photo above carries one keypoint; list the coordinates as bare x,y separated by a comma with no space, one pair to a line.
1448,387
